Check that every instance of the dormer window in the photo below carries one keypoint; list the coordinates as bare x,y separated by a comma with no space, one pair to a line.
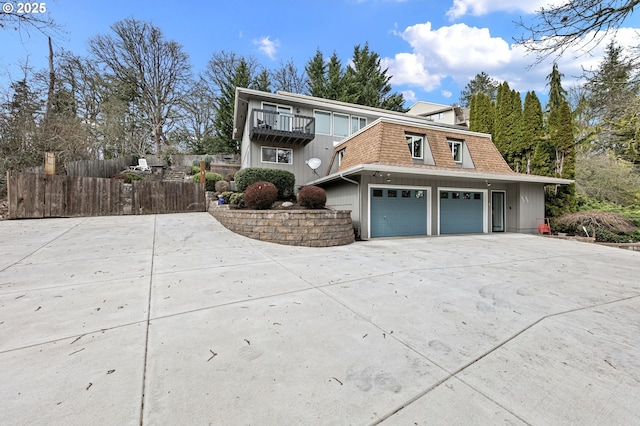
416,146
456,150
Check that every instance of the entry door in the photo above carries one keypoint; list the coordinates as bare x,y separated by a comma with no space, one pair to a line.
280,118
497,211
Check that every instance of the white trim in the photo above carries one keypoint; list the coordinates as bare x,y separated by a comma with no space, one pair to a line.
387,186
485,204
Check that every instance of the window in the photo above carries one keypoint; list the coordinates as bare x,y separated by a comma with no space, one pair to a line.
340,125
277,155
392,193
357,123
415,145
340,155
323,122
406,194
456,150
377,192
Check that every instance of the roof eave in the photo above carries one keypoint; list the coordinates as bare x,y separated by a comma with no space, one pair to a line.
460,174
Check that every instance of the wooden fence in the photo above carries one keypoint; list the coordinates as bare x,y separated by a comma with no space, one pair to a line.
39,196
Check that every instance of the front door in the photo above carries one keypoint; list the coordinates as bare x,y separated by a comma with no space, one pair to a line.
497,211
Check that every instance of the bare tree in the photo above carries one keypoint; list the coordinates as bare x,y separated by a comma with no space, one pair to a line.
289,79
156,69
26,17
558,28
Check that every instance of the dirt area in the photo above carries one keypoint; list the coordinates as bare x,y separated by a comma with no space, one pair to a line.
4,208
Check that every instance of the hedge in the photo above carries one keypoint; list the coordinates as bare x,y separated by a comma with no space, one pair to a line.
282,179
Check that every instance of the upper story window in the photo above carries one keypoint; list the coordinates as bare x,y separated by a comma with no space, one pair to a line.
340,124
357,123
337,124
456,150
323,122
416,145
340,155
277,155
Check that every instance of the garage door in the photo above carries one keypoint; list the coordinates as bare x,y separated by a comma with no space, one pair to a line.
461,212
398,212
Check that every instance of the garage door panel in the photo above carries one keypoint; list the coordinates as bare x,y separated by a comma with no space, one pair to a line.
398,212
461,212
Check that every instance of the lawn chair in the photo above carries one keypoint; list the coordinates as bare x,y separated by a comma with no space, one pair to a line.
142,166
543,226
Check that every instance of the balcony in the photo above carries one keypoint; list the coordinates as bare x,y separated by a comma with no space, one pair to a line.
281,127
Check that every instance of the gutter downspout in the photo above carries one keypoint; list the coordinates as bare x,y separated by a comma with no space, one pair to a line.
359,203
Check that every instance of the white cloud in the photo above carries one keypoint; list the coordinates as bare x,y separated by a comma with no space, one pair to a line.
483,7
446,93
459,52
409,95
267,46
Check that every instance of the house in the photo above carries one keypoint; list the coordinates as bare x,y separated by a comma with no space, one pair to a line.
447,114
400,174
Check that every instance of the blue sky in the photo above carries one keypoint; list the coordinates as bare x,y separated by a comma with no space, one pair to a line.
432,48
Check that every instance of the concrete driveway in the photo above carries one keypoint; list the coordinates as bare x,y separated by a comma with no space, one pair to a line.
172,319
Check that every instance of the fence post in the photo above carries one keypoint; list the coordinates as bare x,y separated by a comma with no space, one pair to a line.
49,163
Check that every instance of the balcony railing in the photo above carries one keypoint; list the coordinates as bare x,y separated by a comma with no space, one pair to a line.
281,127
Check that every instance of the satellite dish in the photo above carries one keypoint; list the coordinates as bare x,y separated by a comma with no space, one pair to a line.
314,163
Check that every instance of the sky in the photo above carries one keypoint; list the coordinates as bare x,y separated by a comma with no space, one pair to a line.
431,48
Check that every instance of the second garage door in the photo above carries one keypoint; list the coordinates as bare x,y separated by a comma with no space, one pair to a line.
398,212
461,212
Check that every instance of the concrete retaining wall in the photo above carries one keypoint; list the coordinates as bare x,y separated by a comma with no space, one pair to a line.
311,228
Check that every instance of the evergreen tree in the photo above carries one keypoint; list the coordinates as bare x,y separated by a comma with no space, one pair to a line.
335,76
481,114
481,83
366,83
506,129
612,94
532,133
262,82
223,123
317,79
557,94
561,199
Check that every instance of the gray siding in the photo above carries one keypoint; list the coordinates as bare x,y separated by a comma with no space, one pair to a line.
320,147
344,196
531,207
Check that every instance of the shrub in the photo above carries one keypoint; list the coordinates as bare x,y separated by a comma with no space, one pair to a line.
226,195
604,236
210,179
312,197
260,195
128,176
612,222
222,186
229,177
236,200
195,170
282,179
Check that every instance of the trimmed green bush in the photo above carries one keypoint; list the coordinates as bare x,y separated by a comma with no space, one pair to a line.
282,179
236,200
260,195
312,197
210,179
226,196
